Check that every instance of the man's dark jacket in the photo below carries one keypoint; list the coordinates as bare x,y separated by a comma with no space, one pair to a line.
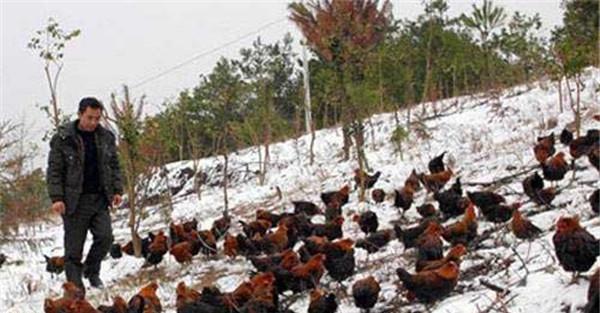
64,175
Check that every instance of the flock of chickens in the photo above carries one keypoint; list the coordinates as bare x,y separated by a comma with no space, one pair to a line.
290,253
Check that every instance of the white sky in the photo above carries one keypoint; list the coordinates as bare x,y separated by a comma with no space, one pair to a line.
126,42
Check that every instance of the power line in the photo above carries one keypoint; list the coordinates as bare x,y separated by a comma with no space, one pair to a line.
203,54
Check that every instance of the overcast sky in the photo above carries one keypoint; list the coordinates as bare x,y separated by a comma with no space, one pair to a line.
127,42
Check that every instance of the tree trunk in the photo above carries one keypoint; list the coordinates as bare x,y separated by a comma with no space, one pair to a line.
560,96
225,183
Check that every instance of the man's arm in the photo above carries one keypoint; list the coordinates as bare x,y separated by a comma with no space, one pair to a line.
54,172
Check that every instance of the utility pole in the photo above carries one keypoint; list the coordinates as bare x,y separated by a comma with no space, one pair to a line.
307,111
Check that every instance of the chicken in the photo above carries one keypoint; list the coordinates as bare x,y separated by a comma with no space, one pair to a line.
455,254
264,296
221,226
582,145
306,207
413,181
451,201
409,236
593,304
375,241
429,286
259,226
286,259
403,198
115,251
309,274
378,195
595,200
269,216
2,259
230,246
190,225
247,246
341,196
500,213
339,261
533,186
484,199
426,210
332,230
320,303
566,137
523,228
575,247
544,148
276,241
367,221
436,165
429,244
145,243
185,295
435,182
211,301
146,300
361,177
119,306
55,264
69,302
463,231
157,249
366,293
555,168
184,251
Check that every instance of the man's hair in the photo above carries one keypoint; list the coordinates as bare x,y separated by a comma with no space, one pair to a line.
89,102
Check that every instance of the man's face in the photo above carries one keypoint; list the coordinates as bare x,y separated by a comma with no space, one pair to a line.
89,119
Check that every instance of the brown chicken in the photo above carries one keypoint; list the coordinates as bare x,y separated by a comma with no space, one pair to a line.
426,210
55,264
269,216
366,293
71,296
409,236
309,274
575,247
436,165
332,229
413,181
339,261
230,246
523,228
455,255
276,241
544,148
119,306
305,207
404,197
338,198
361,177
484,199
190,225
435,182
595,200
432,285
208,242
378,195
320,303
594,156
367,221
463,231
500,213
429,244
221,226
185,295
263,295
157,249
582,145
183,251
375,241
146,300
255,227
533,186
555,168
593,303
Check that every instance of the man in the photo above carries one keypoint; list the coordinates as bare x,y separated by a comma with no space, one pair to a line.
83,175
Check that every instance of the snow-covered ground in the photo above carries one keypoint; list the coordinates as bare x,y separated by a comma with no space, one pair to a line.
486,139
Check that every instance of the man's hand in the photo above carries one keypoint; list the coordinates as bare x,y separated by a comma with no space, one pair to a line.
58,207
116,201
